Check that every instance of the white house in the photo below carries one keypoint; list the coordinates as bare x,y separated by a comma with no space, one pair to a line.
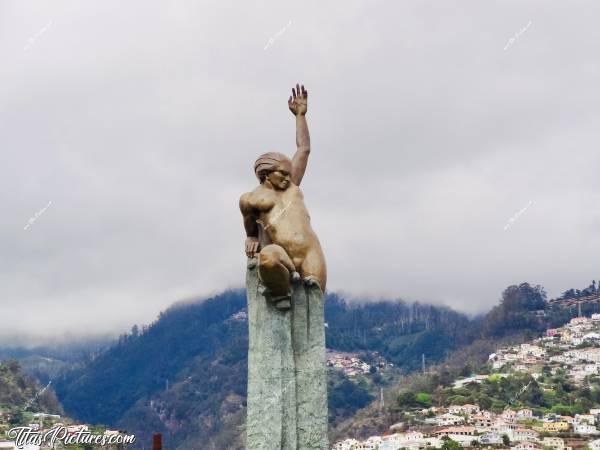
590,419
371,443
584,428
491,438
509,416
346,444
525,446
524,414
594,445
483,421
449,419
555,443
524,434
463,409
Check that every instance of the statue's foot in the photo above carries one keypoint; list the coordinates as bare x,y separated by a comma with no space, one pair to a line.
295,277
283,305
282,302
311,280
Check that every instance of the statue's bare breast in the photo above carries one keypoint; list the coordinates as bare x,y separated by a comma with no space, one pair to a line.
284,220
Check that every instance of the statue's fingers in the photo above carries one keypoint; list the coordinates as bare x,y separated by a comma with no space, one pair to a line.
303,91
294,93
290,101
298,89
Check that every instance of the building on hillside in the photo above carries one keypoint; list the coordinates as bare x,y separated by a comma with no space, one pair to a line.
461,382
371,443
594,445
569,419
46,416
555,443
575,321
491,438
346,444
503,427
456,431
584,428
592,336
590,419
526,446
555,427
509,416
463,409
433,442
76,428
482,421
524,434
463,435
392,441
524,414
565,336
413,436
449,419
532,350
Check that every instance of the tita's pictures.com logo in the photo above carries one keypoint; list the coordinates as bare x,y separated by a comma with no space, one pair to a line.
27,436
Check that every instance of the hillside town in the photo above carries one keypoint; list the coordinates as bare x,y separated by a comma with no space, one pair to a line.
572,350
351,365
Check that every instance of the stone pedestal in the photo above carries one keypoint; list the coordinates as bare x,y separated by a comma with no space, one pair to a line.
287,379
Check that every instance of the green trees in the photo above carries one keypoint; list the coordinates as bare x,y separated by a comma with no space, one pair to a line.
515,311
450,444
411,400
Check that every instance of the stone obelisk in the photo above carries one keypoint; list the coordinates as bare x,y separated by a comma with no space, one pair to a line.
287,380
285,281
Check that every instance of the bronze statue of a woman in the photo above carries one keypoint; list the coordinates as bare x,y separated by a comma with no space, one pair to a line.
276,220
285,281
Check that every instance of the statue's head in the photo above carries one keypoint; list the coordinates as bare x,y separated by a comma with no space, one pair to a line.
276,168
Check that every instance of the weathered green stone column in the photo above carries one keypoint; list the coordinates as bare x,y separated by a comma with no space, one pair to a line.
287,379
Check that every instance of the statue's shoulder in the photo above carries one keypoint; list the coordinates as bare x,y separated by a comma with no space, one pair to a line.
258,199
246,201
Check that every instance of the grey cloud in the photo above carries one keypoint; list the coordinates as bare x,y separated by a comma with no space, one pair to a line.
140,123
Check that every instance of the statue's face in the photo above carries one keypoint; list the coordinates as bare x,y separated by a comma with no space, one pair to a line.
280,178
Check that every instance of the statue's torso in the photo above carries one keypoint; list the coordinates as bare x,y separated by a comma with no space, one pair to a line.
285,221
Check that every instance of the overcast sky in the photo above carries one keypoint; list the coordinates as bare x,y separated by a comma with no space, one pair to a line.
454,149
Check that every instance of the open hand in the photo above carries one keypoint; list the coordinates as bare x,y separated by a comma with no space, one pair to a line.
251,246
298,101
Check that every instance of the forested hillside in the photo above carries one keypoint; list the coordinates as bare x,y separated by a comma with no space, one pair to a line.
19,392
185,375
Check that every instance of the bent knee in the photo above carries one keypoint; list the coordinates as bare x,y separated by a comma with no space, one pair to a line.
269,256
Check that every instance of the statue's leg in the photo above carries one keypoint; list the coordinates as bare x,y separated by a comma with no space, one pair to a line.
274,269
313,270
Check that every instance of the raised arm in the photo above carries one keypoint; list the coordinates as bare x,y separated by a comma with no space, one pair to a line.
298,106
